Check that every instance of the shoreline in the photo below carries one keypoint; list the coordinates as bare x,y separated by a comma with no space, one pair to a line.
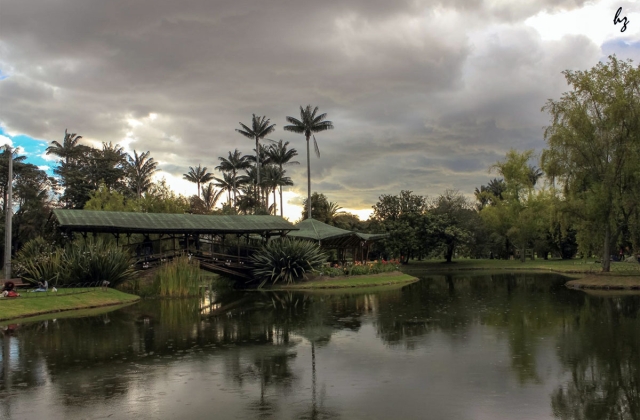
17,308
348,282
605,282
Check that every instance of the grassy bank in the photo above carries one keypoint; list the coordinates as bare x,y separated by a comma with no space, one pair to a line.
606,282
555,265
28,305
382,279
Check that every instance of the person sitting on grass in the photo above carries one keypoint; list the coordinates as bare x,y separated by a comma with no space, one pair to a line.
42,287
7,290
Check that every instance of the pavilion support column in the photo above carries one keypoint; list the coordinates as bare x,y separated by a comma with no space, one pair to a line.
238,236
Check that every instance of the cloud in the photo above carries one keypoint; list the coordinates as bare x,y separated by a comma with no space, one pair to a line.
424,95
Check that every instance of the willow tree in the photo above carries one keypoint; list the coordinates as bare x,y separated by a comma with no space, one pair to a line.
594,150
308,124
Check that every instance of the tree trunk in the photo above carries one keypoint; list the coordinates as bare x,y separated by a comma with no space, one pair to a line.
308,179
606,263
281,207
522,253
449,254
258,170
275,210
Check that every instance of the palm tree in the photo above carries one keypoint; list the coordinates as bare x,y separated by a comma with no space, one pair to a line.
140,168
280,155
307,124
227,183
275,178
210,197
235,162
260,128
70,148
198,175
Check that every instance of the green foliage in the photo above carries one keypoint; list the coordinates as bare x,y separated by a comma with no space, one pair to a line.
594,153
178,278
286,260
80,262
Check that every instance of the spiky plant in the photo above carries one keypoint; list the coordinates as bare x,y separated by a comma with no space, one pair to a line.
286,260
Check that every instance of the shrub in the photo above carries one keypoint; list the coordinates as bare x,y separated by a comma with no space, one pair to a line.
81,262
331,271
286,260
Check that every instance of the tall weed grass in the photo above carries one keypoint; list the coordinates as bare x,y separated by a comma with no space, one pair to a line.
178,278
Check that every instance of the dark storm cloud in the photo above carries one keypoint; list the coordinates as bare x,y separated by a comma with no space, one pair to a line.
423,95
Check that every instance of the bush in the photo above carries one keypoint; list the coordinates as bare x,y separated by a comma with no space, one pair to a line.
81,262
331,271
286,260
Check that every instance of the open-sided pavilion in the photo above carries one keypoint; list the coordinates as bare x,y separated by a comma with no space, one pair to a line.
331,237
180,229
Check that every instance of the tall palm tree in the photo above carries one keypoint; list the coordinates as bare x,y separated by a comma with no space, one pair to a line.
281,155
260,128
140,169
198,175
210,196
309,123
234,163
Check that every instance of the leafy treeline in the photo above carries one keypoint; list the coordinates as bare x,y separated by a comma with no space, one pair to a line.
590,199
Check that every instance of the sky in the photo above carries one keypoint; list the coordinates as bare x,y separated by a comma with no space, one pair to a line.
424,95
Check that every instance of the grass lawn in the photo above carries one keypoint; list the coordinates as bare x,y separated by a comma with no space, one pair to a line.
557,265
382,279
31,304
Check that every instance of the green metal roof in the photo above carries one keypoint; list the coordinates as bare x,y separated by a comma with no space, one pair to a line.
371,236
130,222
331,236
316,230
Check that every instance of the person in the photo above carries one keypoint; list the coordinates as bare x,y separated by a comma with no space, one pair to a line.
7,290
42,287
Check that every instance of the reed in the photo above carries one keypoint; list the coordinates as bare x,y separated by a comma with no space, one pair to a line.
178,278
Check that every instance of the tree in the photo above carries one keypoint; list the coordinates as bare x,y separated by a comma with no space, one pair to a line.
210,197
226,183
522,216
281,155
198,175
260,128
594,150
308,124
73,169
140,169
275,178
455,218
234,163
322,209
403,217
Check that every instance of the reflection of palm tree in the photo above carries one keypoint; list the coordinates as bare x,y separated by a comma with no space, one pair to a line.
308,124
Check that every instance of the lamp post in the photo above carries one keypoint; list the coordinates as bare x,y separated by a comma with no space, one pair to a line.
7,227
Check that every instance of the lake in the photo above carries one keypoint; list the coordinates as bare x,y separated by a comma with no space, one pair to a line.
451,346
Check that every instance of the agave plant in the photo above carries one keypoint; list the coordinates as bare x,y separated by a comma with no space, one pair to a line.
286,260
94,261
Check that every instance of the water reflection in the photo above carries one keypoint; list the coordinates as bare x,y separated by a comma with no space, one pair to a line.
458,346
